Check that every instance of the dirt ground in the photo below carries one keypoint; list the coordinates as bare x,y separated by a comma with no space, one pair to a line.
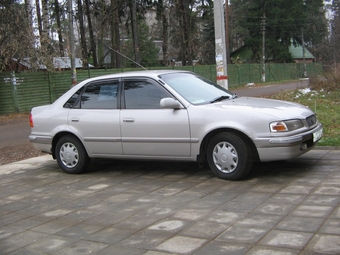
14,143
11,154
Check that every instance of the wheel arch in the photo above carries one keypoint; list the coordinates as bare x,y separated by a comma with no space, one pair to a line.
201,158
57,137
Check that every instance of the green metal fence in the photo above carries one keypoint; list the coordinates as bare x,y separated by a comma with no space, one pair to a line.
20,92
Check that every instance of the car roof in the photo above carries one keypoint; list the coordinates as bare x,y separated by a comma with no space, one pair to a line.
149,73
146,73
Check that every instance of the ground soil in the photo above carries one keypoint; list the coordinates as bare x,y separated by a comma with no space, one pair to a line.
14,142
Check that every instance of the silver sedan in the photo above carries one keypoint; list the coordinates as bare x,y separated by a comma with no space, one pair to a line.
170,115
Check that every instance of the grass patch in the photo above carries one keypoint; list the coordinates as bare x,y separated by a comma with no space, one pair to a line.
323,97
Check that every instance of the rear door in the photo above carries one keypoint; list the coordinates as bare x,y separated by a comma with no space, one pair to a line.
95,118
146,128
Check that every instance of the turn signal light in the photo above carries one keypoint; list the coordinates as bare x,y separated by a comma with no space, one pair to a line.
278,127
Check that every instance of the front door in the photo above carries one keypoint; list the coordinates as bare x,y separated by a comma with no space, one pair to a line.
146,128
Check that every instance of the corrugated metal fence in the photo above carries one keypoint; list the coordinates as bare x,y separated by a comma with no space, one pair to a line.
20,92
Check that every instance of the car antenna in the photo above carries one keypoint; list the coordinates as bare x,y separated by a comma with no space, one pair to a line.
128,58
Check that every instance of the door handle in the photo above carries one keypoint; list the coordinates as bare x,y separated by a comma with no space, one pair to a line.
128,120
75,120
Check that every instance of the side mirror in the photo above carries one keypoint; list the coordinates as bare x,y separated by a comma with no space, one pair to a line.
170,103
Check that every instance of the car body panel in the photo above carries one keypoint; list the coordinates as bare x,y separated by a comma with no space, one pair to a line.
99,139
155,132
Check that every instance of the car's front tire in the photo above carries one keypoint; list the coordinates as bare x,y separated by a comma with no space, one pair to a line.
71,155
229,157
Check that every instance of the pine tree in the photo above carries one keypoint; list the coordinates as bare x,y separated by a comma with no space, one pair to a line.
283,21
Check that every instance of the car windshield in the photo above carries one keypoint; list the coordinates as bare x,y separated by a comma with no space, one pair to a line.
196,89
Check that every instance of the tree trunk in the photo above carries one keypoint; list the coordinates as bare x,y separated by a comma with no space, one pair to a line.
82,34
60,35
165,41
100,35
115,38
188,34
40,27
163,19
135,31
27,10
184,21
45,18
93,42
45,46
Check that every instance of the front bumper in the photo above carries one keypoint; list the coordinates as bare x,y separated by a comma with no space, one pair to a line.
282,148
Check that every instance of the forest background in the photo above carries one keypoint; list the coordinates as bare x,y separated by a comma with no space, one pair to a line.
159,32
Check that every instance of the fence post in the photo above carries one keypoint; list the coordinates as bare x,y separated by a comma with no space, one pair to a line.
50,86
14,90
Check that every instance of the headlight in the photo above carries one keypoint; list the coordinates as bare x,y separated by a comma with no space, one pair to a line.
284,126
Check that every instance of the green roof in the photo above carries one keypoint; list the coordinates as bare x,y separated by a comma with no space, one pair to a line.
297,52
244,53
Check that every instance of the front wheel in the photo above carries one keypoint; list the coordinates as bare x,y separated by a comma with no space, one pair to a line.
71,155
228,156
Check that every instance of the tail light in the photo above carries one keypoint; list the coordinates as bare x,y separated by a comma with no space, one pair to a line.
31,120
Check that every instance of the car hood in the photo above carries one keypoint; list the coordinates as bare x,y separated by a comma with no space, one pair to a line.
275,108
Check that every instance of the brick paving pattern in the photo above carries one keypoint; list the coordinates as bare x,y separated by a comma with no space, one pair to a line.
158,208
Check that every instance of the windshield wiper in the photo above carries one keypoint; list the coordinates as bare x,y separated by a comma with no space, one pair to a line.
220,98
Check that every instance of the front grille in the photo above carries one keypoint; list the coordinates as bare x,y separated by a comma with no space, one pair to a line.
311,120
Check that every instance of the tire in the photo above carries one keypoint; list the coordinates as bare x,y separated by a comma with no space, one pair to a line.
71,155
229,157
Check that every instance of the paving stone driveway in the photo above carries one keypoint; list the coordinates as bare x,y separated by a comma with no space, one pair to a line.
155,208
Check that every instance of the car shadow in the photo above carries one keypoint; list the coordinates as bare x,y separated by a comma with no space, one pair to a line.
260,170
142,167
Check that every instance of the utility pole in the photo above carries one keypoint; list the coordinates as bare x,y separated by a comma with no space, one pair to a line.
227,31
221,56
263,79
73,61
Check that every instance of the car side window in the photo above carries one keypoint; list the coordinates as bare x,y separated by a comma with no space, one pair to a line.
71,103
100,96
142,94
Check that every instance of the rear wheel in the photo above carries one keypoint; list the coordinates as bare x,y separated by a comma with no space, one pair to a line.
71,155
229,157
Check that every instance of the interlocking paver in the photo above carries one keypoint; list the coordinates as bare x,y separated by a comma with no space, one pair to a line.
303,224
327,244
287,239
181,245
158,208
331,226
265,250
82,248
220,248
242,234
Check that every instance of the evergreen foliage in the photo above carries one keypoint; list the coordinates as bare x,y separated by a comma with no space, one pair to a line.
148,50
284,21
